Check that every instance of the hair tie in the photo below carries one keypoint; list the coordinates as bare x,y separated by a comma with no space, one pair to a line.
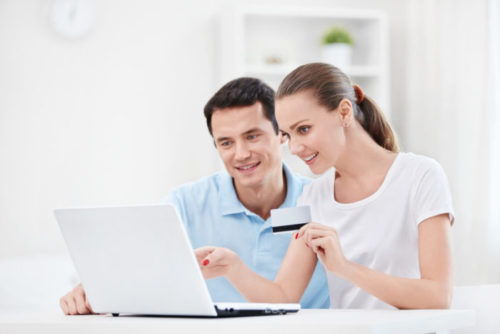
360,96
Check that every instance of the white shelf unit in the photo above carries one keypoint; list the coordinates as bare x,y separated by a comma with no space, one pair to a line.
250,35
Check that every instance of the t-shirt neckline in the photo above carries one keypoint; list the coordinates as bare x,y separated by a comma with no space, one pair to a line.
368,199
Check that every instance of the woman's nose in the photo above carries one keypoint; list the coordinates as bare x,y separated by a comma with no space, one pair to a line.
294,146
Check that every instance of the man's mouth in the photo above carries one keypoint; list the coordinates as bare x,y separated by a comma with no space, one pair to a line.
248,167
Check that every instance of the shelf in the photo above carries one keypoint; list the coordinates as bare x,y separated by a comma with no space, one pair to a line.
250,35
311,12
284,69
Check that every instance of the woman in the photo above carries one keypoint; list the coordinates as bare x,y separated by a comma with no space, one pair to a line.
381,218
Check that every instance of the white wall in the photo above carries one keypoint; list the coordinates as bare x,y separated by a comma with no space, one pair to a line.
116,117
113,118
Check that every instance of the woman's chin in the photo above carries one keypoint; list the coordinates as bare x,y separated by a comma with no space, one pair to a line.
317,169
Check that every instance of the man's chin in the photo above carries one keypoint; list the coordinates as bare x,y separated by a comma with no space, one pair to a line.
247,180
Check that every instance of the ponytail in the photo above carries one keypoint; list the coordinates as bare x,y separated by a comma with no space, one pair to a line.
330,85
377,126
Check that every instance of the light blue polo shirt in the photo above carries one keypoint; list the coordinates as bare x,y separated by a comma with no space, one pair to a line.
214,216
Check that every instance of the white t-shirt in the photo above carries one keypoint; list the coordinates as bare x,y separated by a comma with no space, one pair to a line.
381,231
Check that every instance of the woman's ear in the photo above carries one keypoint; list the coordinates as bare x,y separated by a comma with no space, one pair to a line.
345,112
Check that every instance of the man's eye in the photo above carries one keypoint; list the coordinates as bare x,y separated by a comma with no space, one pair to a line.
252,137
304,129
225,143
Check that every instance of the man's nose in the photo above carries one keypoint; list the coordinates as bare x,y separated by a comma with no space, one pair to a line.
242,151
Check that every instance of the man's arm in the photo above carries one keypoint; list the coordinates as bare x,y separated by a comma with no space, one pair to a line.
75,302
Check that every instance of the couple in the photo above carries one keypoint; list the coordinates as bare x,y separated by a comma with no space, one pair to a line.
382,218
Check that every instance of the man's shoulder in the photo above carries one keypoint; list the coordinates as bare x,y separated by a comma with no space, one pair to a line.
301,179
296,178
202,186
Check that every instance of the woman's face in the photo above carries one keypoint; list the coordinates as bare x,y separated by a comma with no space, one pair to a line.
314,133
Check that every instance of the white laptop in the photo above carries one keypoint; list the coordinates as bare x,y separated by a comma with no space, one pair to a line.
139,260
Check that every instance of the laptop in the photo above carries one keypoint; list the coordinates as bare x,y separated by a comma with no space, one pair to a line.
139,260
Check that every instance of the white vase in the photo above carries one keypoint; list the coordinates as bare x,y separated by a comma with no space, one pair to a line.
337,54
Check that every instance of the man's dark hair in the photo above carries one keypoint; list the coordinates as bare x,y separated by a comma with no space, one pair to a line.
242,92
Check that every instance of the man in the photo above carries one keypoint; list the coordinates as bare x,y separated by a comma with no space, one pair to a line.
231,208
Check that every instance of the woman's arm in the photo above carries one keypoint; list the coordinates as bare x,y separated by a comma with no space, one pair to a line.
432,290
289,284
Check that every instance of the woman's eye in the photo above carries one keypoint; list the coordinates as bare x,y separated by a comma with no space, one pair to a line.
284,134
304,129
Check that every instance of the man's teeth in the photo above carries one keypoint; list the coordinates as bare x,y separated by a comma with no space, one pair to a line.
247,167
312,156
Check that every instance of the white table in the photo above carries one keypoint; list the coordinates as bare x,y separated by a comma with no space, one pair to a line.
306,321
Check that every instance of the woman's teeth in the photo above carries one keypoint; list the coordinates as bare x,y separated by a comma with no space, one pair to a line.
312,156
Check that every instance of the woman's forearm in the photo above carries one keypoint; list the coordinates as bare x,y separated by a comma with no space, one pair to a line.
403,293
256,288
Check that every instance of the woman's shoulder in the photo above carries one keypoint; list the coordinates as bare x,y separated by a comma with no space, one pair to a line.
421,171
418,164
317,188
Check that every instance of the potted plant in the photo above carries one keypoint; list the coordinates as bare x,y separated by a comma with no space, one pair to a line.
337,47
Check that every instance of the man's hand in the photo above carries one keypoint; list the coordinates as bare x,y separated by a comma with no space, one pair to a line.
75,302
216,261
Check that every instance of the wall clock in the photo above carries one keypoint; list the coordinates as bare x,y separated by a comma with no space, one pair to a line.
72,19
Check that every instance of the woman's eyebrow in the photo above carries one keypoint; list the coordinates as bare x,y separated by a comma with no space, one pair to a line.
296,123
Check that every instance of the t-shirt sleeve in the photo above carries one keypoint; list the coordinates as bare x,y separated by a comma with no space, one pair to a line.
433,196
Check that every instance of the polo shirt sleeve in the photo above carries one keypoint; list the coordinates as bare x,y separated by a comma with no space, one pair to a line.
175,198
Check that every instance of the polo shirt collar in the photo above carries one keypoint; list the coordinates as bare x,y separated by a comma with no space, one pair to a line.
230,204
228,200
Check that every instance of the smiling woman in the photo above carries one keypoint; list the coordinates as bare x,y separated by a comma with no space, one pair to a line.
380,219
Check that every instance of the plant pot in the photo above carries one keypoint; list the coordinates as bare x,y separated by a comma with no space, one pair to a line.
337,54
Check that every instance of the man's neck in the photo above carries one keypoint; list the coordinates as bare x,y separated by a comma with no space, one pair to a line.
263,198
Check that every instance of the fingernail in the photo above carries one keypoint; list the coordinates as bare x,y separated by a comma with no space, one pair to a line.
297,235
307,245
205,262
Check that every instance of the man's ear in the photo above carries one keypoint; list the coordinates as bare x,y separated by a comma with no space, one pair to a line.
345,112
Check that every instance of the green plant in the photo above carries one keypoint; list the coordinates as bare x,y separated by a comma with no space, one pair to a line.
337,35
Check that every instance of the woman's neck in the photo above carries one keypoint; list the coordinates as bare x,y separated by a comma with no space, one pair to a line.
362,157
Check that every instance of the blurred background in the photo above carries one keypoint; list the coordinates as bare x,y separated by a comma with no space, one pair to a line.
101,104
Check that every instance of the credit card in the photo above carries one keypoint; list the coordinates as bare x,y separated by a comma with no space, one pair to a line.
290,219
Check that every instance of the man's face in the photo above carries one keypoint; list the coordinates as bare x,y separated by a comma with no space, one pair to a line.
247,144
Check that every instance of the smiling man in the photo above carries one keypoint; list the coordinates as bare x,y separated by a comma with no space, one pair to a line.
231,208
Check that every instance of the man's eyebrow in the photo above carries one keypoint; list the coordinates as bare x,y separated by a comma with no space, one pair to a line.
222,139
296,123
219,139
252,130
